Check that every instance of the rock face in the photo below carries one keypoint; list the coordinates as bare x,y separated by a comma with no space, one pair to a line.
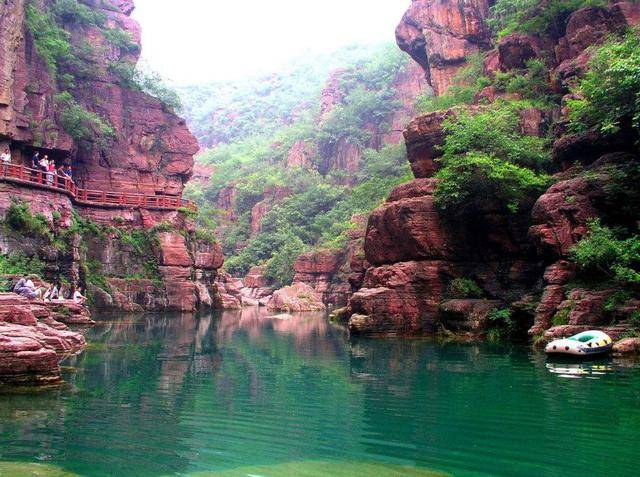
414,257
297,297
32,341
518,262
441,34
302,154
150,151
335,274
152,148
423,137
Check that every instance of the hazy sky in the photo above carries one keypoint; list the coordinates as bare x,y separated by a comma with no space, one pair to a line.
192,41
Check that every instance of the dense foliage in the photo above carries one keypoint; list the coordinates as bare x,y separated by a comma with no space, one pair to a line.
230,111
610,91
320,199
610,254
488,163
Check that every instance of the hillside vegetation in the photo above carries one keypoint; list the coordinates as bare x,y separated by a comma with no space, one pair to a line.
316,200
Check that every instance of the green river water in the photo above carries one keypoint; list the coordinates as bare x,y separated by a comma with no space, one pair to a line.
236,394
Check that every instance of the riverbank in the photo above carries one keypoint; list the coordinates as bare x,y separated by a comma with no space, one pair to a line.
35,337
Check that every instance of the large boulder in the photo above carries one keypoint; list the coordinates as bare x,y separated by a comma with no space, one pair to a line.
424,136
398,299
297,297
30,347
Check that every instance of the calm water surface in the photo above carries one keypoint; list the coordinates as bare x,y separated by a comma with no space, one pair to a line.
235,394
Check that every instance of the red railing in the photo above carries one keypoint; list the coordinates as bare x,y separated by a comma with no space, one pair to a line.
100,198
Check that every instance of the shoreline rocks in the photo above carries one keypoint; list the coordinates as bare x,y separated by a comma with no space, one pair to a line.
33,339
297,297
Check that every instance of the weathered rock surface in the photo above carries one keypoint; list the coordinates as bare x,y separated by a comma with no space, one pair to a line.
335,274
467,314
627,346
423,137
151,151
297,297
414,256
302,154
441,34
31,347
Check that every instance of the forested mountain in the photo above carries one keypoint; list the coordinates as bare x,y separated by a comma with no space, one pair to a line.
300,152
229,111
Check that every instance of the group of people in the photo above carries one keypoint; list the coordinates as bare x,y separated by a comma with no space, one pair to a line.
27,288
48,166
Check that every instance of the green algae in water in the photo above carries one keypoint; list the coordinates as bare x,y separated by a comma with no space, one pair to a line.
325,469
23,469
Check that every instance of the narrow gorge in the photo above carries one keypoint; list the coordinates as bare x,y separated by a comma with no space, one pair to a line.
338,239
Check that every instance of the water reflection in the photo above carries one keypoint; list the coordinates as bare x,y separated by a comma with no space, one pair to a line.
580,370
184,393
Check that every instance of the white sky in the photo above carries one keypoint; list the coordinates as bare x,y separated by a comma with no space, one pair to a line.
192,41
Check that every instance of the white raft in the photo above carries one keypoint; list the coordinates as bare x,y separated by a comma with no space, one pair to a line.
587,343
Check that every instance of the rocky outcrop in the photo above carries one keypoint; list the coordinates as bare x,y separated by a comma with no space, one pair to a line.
335,274
297,297
587,27
151,149
302,154
228,292
520,262
332,94
441,34
472,315
271,196
627,346
415,255
33,342
148,149
424,136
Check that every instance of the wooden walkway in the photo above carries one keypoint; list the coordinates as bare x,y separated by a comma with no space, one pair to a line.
96,198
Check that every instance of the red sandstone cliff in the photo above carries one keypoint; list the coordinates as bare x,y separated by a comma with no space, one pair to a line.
441,34
150,151
520,262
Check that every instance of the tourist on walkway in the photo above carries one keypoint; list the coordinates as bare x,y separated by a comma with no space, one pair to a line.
68,171
35,164
44,163
6,160
51,172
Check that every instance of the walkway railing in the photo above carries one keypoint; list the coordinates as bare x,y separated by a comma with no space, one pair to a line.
99,198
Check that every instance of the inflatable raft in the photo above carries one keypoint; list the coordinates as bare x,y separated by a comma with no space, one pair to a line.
587,343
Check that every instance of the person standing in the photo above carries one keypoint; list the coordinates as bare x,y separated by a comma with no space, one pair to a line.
35,164
6,160
51,172
44,163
